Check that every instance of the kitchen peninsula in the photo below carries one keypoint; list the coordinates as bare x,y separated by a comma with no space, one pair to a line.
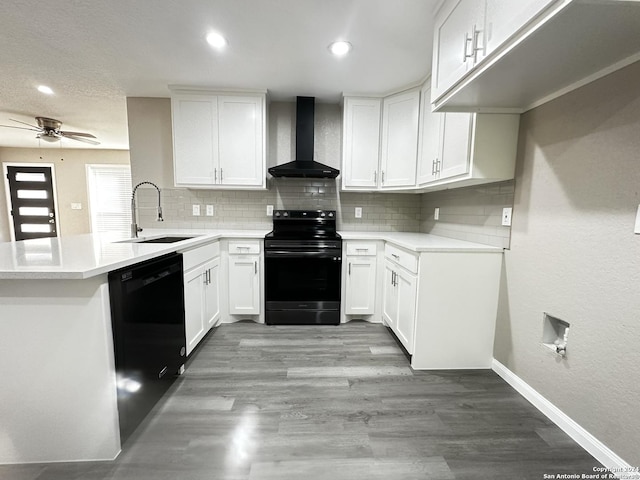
57,355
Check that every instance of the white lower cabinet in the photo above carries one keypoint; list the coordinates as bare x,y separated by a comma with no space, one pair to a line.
360,279
400,294
244,278
201,292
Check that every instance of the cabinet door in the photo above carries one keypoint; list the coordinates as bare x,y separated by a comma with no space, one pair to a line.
505,17
193,308
195,139
453,42
244,284
456,145
399,140
390,296
406,298
429,141
211,293
241,140
361,286
361,142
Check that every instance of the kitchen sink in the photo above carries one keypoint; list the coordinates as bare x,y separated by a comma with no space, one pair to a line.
169,239
165,239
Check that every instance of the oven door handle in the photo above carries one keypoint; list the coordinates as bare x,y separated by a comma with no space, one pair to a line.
290,254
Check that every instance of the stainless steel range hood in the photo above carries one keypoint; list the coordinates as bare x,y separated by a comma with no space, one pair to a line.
304,166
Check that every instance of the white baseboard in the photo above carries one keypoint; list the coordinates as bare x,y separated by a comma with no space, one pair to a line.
587,441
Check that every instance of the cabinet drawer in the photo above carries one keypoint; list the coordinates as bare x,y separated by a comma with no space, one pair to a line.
401,257
244,248
361,248
196,256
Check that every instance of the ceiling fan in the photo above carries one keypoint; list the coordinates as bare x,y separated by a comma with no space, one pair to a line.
49,130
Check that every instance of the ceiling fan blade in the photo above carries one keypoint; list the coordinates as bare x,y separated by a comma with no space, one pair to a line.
81,139
77,134
22,128
25,123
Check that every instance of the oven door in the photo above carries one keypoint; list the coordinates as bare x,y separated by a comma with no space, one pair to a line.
302,287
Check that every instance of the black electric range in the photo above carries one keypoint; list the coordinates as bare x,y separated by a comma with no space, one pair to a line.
303,262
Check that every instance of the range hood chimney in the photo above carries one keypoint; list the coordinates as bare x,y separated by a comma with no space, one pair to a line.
304,166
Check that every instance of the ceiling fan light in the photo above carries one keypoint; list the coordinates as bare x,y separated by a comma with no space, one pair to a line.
46,90
48,137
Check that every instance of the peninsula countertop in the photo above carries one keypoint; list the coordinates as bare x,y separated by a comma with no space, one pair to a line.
89,255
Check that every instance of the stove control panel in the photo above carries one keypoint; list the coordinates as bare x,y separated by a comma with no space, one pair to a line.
304,214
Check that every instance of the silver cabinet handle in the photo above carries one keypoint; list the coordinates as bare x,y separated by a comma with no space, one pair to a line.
215,175
375,177
476,49
383,176
433,167
467,40
220,174
349,268
437,166
255,267
397,257
209,276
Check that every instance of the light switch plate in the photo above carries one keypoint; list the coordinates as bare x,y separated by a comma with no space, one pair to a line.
209,210
506,216
636,229
436,213
195,210
270,210
358,212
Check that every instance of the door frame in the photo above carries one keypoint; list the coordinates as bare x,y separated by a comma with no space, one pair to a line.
54,184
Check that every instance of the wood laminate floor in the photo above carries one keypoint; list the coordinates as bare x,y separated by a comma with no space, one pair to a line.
309,403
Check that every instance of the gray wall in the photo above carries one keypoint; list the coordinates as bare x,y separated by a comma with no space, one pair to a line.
574,255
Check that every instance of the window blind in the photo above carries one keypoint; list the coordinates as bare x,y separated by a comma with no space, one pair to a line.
109,197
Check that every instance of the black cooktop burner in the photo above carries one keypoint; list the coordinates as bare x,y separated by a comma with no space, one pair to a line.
304,225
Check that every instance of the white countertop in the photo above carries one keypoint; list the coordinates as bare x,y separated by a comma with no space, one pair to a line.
85,256
421,242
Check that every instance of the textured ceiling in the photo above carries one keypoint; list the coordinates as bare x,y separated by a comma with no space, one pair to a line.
94,54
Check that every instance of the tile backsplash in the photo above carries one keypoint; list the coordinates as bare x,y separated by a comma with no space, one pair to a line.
247,209
471,213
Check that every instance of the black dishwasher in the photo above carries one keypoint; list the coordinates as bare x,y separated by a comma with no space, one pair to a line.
147,315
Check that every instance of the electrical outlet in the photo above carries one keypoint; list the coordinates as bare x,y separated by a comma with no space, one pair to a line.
209,210
636,229
506,216
196,210
358,212
436,213
76,206
270,210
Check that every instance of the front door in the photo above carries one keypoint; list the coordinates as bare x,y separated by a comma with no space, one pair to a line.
31,201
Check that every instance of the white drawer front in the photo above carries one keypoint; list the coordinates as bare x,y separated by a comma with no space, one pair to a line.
361,248
198,255
403,258
250,247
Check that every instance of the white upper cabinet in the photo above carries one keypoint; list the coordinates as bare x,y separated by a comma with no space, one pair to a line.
399,140
361,142
458,39
503,18
461,149
219,140
429,140
507,56
241,140
195,139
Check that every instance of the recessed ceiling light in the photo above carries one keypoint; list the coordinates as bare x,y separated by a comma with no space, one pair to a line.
340,48
45,89
216,40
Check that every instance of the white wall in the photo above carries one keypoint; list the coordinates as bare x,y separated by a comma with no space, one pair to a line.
574,255
71,182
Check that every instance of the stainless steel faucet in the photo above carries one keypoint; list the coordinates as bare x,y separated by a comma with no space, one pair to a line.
134,222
